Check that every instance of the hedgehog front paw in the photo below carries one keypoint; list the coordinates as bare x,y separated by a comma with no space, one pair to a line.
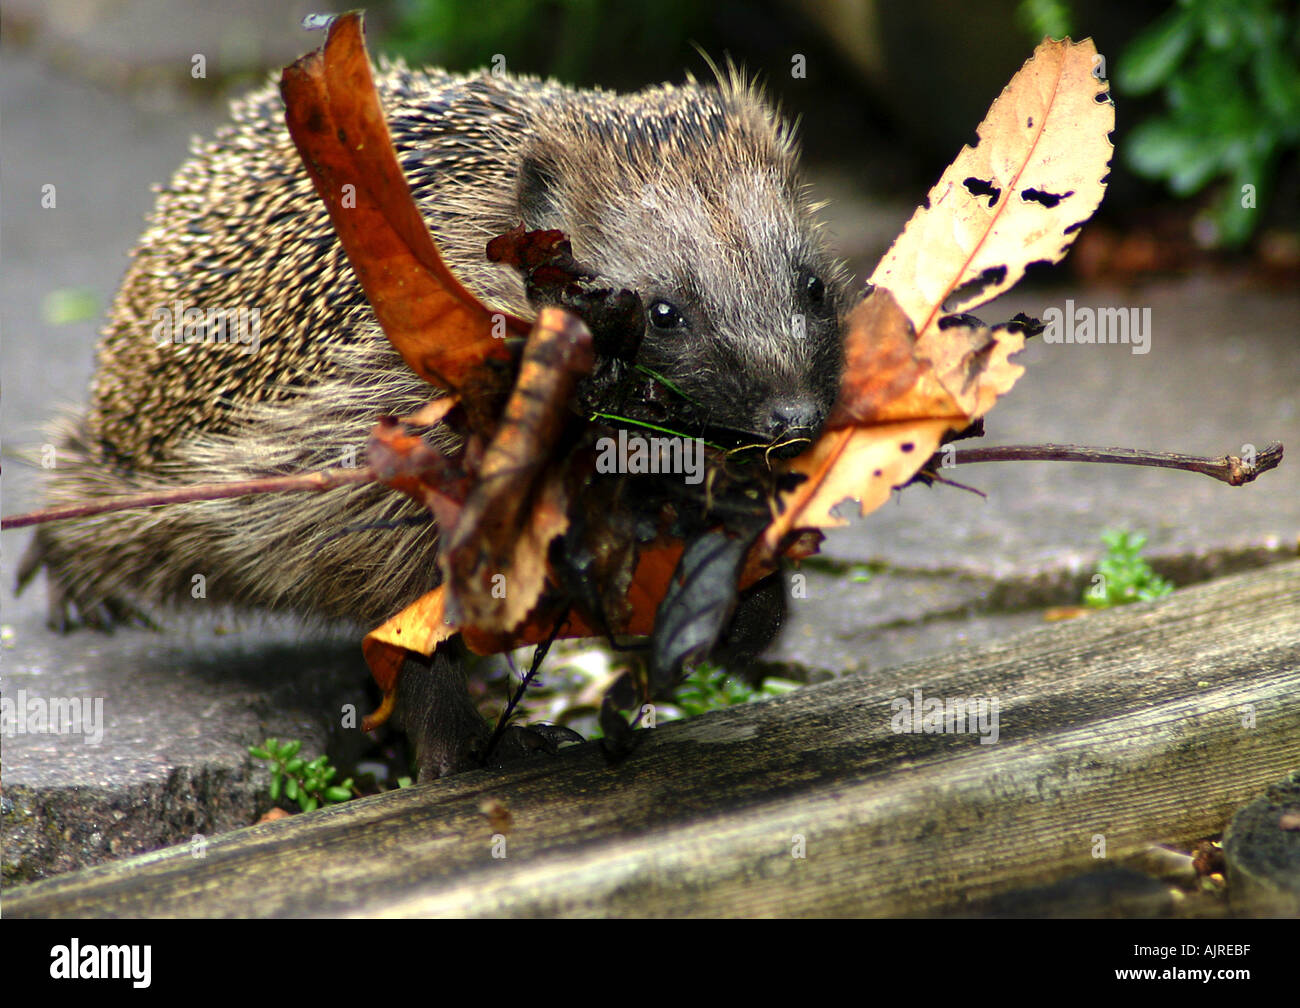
519,742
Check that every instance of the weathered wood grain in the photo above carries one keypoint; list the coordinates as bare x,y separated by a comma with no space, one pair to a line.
1150,723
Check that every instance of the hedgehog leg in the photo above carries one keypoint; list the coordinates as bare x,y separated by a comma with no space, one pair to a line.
435,711
61,599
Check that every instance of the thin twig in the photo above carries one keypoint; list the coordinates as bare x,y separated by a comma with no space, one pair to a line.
539,654
324,479
1230,469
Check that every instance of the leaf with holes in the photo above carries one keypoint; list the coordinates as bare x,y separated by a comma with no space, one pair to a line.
913,371
1019,196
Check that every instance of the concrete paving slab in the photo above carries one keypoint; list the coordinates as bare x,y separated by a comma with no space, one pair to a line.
123,743
844,624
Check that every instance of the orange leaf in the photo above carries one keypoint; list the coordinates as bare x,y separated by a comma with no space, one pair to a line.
899,412
884,380
419,628
1019,196
494,560
865,463
439,328
419,470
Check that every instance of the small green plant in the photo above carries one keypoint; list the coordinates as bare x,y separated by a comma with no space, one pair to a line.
67,305
307,783
1123,576
709,687
1230,78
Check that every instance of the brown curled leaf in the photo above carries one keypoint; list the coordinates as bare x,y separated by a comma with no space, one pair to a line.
418,629
494,559
884,381
862,463
890,418
440,329
545,258
419,470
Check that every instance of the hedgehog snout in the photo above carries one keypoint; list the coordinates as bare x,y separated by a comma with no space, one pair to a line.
791,422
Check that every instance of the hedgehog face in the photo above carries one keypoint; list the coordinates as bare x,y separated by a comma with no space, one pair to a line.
743,307
743,304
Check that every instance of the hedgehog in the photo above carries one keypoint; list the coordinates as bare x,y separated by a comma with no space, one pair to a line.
688,195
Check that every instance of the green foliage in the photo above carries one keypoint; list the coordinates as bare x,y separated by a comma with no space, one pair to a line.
1230,78
1049,18
563,38
709,687
1123,576
307,783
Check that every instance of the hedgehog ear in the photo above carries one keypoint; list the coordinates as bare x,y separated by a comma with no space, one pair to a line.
538,192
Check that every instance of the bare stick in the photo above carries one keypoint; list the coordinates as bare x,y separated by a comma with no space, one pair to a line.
325,479
1230,469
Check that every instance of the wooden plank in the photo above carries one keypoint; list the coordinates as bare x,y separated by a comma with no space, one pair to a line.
1150,723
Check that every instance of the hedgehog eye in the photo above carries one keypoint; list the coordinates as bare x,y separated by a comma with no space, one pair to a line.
665,316
814,289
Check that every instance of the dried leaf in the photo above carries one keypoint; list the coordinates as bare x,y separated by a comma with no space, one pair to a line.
895,426
884,379
494,559
864,463
544,257
973,363
600,552
419,470
697,605
1017,197
498,814
439,328
419,628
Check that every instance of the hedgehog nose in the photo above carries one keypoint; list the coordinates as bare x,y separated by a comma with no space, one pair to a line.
792,423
